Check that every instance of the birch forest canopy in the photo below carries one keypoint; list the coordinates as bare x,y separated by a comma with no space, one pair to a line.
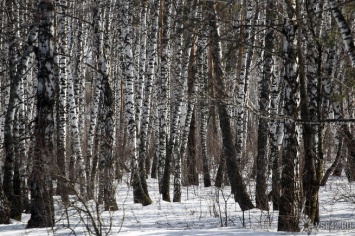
190,92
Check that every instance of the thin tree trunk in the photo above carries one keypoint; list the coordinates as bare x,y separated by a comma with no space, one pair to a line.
62,45
202,76
331,169
192,178
164,168
264,100
147,95
243,85
276,136
190,86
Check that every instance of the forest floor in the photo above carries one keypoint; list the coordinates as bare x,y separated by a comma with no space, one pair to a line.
203,211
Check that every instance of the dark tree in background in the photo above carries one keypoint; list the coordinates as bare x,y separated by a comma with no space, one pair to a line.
42,206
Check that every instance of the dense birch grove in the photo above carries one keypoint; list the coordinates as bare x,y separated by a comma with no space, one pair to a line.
190,92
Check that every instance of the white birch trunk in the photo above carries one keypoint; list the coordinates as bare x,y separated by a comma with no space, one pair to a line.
164,94
150,79
204,99
345,30
107,189
243,86
61,60
290,190
129,102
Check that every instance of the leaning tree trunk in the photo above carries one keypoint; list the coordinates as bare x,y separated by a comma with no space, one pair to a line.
344,30
238,187
331,169
42,207
346,34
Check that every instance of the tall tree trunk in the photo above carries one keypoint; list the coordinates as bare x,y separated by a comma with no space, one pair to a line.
164,163
42,207
178,95
190,85
275,133
25,117
129,80
310,111
11,184
289,209
264,100
107,187
203,77
147,93
243,84
90,166
62,45
238,187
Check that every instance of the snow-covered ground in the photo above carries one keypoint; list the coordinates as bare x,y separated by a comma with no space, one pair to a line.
203,211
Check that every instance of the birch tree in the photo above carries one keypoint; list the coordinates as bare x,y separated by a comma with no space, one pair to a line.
243,83
345,30
75,101
42,208
188,107
129,79
147,92
61,59
204,83
238,187
264,100
348,42
290,188
11,165
164,169
107,190
311,111
177,97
